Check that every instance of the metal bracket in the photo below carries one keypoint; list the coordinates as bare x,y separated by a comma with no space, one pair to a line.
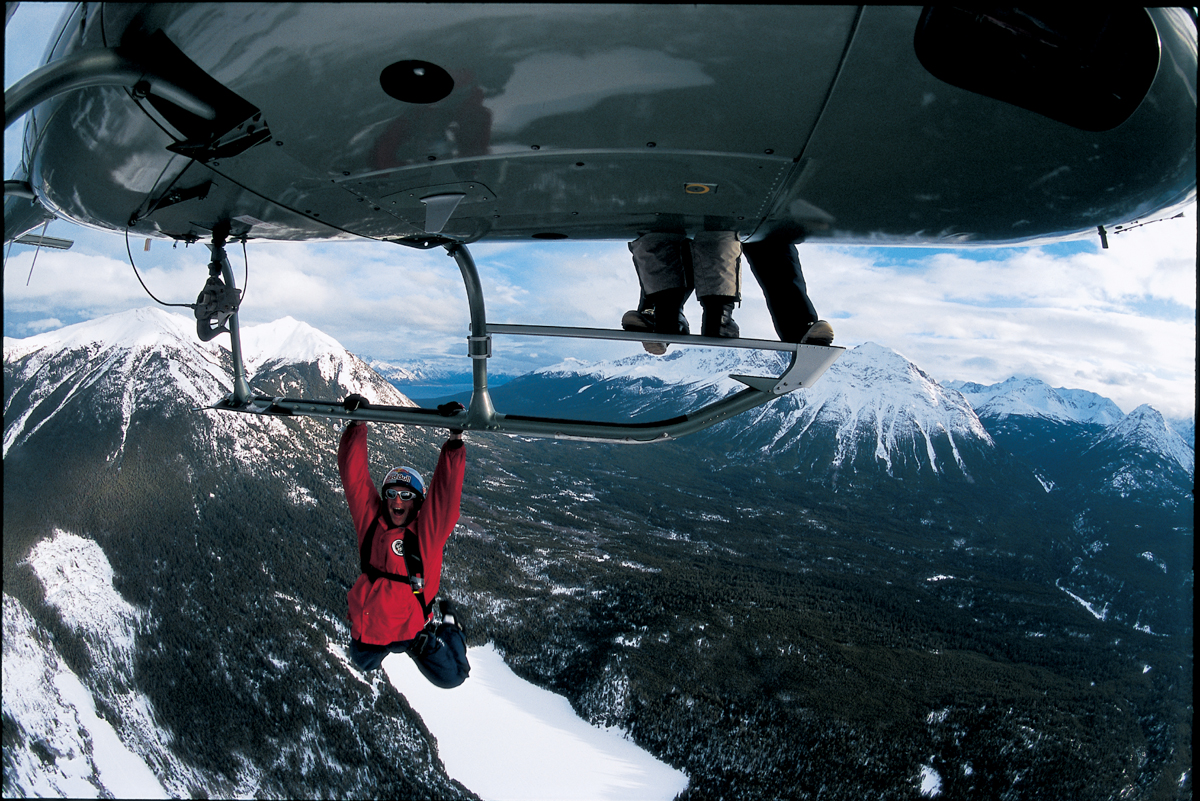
809,363
479,347
221,149
197,192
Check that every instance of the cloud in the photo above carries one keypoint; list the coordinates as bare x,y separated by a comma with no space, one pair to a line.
1119,321
980,362
48,324
93,284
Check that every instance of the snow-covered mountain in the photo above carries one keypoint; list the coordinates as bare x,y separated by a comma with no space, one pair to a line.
1081,441
429,378
127,361
883,413
149,358
288,357
1134,454
1186,428
1029,397
1146,426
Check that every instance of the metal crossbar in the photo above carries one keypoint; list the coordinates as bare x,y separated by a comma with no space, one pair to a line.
639,336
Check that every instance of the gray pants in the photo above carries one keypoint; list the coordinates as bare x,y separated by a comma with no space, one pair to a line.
710,262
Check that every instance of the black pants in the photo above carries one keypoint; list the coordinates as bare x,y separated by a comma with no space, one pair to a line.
776,266
441,656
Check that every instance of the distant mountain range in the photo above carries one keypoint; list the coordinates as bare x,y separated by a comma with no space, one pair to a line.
1029,397
428,378
873,412
423,372
999,577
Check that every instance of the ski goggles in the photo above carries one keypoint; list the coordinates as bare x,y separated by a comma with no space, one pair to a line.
405,495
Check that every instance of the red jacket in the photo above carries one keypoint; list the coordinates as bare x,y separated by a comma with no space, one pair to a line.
387,611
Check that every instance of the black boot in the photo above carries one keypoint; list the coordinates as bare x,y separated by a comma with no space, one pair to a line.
718,317
448,616
641,318
668,311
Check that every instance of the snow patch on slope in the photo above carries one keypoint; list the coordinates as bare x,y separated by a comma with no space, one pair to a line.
78,580
72,753
931,782
115,761
1101,614
572,759
87,755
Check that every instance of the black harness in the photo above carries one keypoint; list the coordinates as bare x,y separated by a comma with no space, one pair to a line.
412,563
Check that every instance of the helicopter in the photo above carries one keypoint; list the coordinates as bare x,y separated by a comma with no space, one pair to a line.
430,126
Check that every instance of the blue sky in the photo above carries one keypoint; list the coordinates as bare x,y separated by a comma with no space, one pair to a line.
1120,322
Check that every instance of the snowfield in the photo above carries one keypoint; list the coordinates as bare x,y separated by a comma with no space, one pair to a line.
505,738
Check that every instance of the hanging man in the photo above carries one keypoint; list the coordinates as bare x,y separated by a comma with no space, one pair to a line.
402,530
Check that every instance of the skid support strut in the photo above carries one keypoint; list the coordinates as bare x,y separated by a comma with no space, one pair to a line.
808,362
481,413
217,313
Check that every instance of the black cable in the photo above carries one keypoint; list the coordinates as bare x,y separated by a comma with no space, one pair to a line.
143,283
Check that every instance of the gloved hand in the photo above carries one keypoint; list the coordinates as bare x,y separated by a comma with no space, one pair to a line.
449,410
354,402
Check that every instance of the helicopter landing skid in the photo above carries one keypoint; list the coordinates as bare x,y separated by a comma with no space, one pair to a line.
807,364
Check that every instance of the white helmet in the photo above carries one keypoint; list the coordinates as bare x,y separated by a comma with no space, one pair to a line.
404,477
